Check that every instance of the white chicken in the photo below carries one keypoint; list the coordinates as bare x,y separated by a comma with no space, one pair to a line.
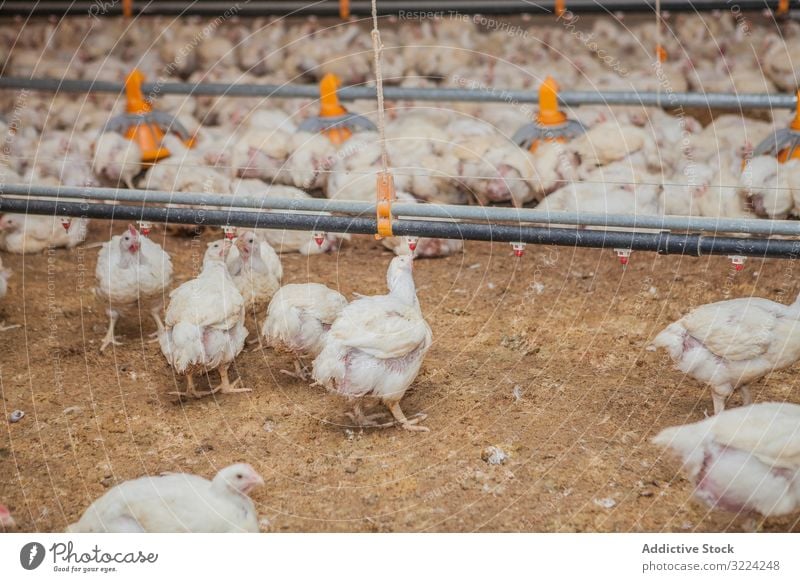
256,270
176,503
132,270
618,188
5,274
497,170
421,247
285,240
743,460
30,234
376,346
298,319
204,325
730,344
766,185
116,159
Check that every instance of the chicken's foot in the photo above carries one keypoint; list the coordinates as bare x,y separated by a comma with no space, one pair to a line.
366,420
408,424
109,337
226,386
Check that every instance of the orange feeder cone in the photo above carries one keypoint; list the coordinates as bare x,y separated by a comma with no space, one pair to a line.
661,54
784,143
549,113
331,107
147,135
551,123
793,151
333,119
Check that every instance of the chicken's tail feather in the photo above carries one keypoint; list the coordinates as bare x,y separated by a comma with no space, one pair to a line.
187,345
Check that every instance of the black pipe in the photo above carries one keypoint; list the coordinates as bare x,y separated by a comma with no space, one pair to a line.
402,8
665,243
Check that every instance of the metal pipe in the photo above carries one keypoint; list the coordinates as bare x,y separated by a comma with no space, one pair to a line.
400,209
363,7
661,242
481,95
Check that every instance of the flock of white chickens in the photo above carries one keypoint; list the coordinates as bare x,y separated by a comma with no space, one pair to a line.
631,160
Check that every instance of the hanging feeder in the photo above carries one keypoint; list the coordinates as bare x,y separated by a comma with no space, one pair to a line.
141,124
551,124
386,196
519,248
784,143
333,119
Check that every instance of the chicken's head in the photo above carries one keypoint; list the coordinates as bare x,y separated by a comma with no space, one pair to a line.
218,250
247,243
9,222
241,477
130,240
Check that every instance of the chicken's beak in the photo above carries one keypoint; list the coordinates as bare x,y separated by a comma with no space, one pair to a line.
255,481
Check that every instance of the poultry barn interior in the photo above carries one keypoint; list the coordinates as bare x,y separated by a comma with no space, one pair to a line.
570,179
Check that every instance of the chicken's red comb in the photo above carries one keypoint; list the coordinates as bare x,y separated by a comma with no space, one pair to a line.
132,229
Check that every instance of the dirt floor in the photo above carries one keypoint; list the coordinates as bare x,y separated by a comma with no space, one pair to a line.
543,357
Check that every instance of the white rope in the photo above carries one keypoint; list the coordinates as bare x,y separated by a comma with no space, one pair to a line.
377,47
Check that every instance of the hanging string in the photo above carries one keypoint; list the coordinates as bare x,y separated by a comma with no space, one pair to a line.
385,182
377,48
661,53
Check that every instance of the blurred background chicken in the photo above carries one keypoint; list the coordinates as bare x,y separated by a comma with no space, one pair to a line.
376,346
31,234
176,503
742,460
132,270
5,275
204,325
298,319
116,159
730,344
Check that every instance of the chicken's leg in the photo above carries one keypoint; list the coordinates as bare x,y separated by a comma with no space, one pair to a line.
156,314
365,420
747,397
394,408
113,316
191,390
226,386
300,371
719,396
